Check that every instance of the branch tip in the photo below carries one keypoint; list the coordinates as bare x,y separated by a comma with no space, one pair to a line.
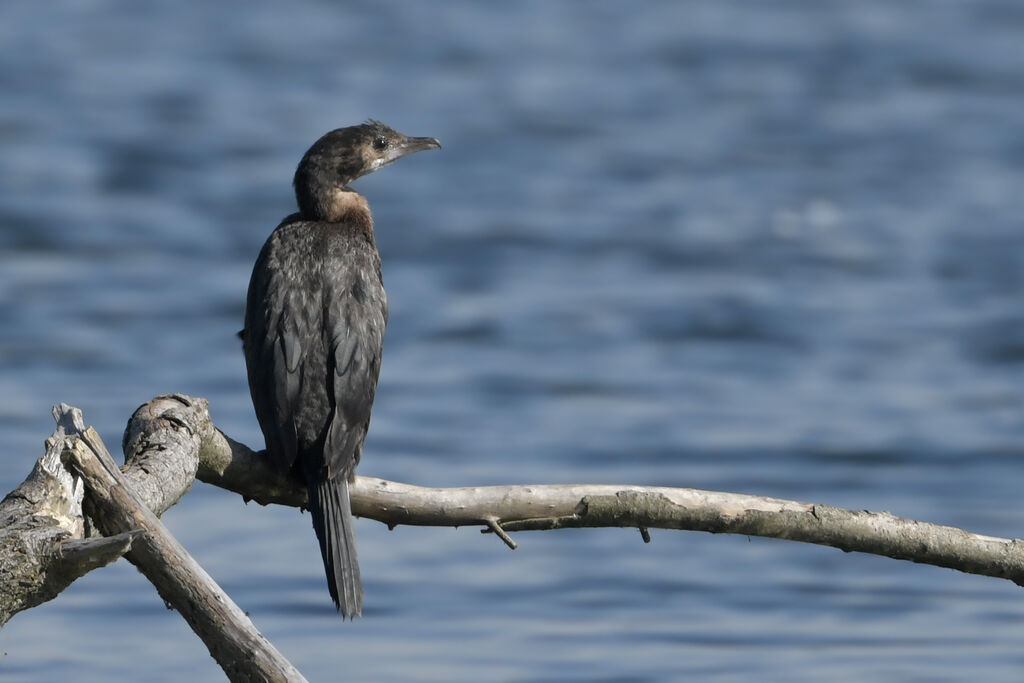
495,526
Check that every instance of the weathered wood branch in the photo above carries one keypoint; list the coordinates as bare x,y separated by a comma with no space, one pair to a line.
42,544
116,508
171,440
231,465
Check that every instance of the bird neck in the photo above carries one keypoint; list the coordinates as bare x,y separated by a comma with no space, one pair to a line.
338,205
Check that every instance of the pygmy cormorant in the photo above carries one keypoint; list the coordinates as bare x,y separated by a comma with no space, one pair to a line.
314,330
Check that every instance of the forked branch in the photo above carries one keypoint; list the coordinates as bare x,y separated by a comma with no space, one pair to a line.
171,440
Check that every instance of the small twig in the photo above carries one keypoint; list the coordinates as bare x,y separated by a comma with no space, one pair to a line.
494,526
645,534
92,553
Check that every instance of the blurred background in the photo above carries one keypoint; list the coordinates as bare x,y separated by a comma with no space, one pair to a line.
772,248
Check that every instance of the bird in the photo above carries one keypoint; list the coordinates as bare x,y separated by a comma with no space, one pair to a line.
315,316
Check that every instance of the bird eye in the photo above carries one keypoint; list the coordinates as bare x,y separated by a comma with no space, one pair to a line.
380,143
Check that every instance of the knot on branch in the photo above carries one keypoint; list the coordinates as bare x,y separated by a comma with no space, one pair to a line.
162,444
170,412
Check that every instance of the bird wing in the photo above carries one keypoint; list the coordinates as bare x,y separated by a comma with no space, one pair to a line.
273,355
356,316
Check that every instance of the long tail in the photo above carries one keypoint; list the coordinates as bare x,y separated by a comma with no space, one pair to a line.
332,520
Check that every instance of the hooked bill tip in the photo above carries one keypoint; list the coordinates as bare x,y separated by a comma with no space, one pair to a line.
426,143
410,146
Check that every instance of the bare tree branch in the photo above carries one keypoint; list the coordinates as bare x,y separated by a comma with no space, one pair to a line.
231,465
171,440
242,651
42,549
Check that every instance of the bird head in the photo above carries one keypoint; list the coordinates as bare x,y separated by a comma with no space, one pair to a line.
345,154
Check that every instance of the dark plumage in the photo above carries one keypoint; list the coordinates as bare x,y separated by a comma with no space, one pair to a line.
314,330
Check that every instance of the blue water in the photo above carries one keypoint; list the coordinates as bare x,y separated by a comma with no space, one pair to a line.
773,248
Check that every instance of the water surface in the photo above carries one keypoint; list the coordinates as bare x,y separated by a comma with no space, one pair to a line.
771,248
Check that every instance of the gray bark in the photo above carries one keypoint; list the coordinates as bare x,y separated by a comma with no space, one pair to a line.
42,548
42,529
503,509
115,506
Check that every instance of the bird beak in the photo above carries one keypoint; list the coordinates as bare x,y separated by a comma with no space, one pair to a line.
410,146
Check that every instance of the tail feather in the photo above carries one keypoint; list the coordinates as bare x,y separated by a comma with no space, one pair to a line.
331,510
